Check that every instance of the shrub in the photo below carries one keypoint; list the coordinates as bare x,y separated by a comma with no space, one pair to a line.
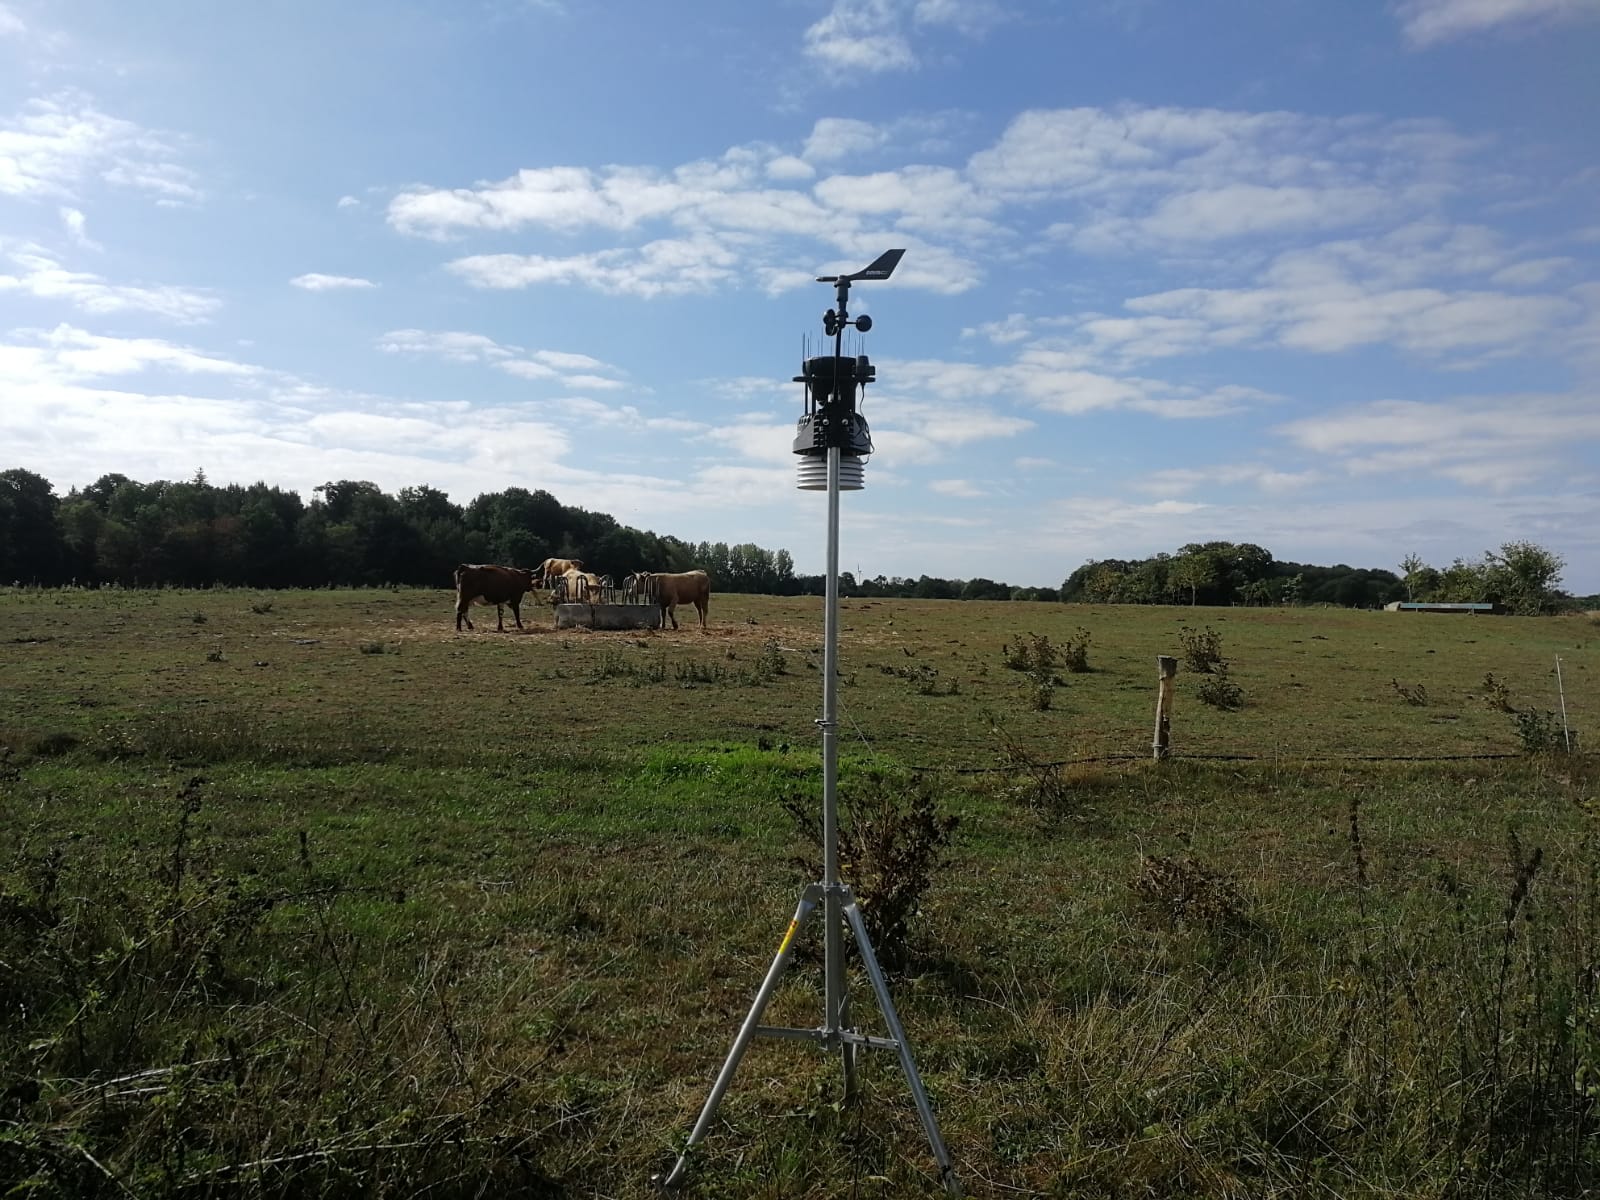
261,607
1219,691
214,656
1075,652
892,843
198,617
374,648
1202,650
1031,653
1035,655
1542,732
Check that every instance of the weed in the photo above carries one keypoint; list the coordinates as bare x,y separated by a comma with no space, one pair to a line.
690,673
1413,694
1181,891
215,656
924,679
1039,785
1202,650
377,648
261,607
770,662
892,842
1220,691
1358,845
1496,695
198,617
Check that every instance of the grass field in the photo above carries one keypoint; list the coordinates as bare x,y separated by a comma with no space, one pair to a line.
303,893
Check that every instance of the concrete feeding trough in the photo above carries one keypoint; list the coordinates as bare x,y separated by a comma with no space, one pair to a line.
608,616
609,608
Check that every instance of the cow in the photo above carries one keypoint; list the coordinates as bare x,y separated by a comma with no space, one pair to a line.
576,587
552,569
687,587
499,586
638,584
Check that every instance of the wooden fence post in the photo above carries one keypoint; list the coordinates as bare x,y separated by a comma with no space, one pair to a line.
1161,745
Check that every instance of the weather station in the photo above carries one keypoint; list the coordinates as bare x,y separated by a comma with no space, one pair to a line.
833,442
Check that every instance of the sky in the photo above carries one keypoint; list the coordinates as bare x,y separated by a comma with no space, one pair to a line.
1322,277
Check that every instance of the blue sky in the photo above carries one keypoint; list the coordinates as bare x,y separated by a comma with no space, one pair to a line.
1319,276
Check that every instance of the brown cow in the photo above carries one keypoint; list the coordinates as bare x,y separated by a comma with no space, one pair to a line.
552,569
687,587
498,586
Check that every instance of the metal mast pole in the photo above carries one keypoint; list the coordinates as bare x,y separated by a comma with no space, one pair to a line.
834,1003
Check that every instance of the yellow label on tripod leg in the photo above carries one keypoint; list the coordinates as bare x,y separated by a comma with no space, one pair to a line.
789,936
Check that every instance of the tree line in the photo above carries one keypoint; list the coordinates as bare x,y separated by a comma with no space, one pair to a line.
349,533
193,533
1520,577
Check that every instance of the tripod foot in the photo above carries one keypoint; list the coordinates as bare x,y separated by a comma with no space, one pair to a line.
668,1181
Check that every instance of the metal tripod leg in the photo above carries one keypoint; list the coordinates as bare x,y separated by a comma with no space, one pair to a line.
808,902
880,988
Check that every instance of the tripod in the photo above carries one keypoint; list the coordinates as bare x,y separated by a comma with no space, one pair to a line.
831,423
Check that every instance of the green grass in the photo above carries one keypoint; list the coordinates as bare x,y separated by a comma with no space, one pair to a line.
480,914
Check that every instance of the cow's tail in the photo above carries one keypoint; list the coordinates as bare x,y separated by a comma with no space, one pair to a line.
461,569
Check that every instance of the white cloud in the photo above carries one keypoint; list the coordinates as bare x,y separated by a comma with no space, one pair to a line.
348,202
840,137
786,168
1056,381
77,228
1176,481
70,354
862,35
1427,22
460,347
455,346
1168,176
1501,443
37,274
761,442
1532,272
523,368
1122,179
592,382
1030,463
1015,327
315,282
568,361
53,145
1328,312
971,17
874,36
668,267
961,489
10,24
